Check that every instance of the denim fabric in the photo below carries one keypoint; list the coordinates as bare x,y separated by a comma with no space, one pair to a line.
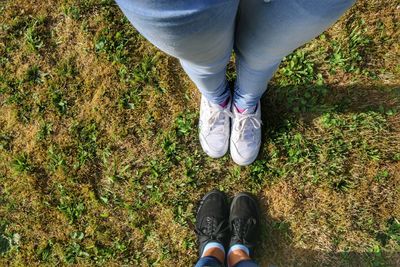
208,262
246,263
202,34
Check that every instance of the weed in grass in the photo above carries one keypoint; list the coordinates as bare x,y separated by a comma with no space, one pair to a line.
169,146
145,72
192,168
337,58
393,231
8,241
377,258
131,99
16,94
72,11
56,159
12,90
86,141
24,113
358,44
283,227
351,54
305,98
59,102
73,252
298,69
22,164
70,206
44,254
113,44
46,129
341,184
231,71
39,105
184,123
259,172
33,37
118,174
67,68
34,75
5,244
382,176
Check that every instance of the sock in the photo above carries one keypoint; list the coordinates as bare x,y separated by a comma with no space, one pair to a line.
225,103
213,245
237,247
249,110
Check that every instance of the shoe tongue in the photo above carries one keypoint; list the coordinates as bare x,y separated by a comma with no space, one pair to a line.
219,120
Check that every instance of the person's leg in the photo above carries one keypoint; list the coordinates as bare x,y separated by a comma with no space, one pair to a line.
208,262
198,33
212,229
267,31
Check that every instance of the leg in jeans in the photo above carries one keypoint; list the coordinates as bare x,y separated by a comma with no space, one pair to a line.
246,263
198,33
268,31
208,262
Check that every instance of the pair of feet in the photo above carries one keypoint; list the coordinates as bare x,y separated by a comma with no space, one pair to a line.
223,127
233,226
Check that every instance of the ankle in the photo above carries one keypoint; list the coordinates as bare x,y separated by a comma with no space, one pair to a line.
237,253
215,250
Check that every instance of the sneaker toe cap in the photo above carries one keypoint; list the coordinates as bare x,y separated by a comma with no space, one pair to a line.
244,154
215,146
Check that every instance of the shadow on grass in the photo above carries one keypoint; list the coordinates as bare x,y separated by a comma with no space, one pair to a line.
277,249
304,103
302,106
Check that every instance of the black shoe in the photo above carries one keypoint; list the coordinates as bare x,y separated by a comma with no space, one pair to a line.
212,220
244,220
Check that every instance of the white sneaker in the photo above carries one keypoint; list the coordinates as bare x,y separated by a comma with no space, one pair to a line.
214,125
245,136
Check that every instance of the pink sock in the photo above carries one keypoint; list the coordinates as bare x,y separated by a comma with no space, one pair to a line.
249,110
239,109
225,103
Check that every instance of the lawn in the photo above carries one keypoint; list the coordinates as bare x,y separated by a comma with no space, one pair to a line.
100,162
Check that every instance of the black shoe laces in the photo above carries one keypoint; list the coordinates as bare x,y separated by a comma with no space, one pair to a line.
211,230
241,228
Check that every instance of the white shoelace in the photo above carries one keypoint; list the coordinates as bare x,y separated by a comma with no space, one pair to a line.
215,118
243,123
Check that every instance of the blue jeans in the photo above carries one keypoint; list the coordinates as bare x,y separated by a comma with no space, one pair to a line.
212,262
202,34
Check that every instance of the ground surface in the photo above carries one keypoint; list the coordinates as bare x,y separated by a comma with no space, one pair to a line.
100,162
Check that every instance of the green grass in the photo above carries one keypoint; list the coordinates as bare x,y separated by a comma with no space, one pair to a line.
100,162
